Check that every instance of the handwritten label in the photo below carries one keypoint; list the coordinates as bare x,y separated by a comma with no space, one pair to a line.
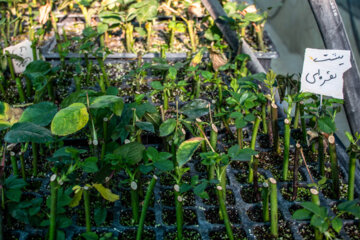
323,71
24,51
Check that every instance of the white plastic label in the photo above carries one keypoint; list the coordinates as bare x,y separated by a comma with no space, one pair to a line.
323,71
24,51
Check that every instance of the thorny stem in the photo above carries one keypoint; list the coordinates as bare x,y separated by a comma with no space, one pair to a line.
224,213
296,171
315,199
265,202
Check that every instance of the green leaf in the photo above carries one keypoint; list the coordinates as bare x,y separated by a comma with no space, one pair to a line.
100,215
196,108
28,132
167,127
238,154
102,28
40,114
312,207
164,165
157,85
302,214
70,120
236,115
77,198
319,223
116,104
132,153
240,123
250,117
90,236
199,189
13,195
326,124
89,165
147,126
187,149
12,182
38,73
63,222
337,223
106,193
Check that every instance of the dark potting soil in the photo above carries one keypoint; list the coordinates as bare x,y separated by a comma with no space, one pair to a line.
256,214
263,232
213,216
168,199
169,217
230,199
242,177
239,234
353,230
247,194
131,235
188,234
293,208
303,194
126,218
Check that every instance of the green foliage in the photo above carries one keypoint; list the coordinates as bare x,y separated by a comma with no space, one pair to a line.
70,119
186,150
40,114
167,127
131,153
24,132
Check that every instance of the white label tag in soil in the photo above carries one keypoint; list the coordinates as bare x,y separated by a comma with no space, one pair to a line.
323,71
24,51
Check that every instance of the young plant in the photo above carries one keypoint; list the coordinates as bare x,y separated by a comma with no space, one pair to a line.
220,163
287,124
353,151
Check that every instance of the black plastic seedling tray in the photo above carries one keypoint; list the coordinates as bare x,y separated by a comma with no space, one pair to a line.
202,227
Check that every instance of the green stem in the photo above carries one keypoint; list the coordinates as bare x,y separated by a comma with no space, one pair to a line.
53,207
105,130
179,215
252,146
102,67
303,124
101,83
166,100
287,123
275,128
223,211
50,88
149,192
263,116
148,27
296,171
260,38
197,86
297,115
77,83
190,24
315,199
129,28
87,209
321,155
135,202
20,90
35,158
265,202
273,207
14,164
223,180
28,87
89,65
240,137
334,167
22,164
351,180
